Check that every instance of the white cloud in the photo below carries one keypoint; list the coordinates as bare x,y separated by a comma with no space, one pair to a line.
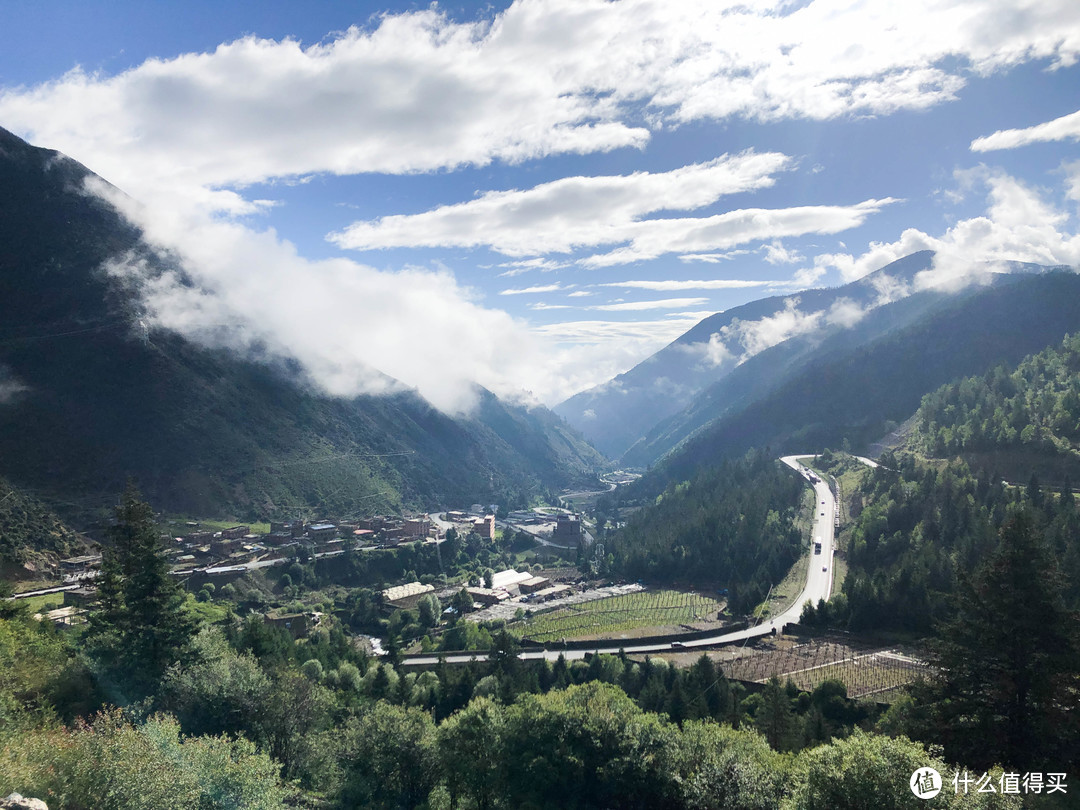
565,214
1019,226
347,324
807,277
776,253
637,306
764,333
546,288
1067,127
587,353
651,239
712,258
672,284
522,266
10,387
419,91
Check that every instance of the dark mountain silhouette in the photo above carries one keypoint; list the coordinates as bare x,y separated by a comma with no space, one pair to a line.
89,395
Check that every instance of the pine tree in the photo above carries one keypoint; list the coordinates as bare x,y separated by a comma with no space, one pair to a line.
140,625
1009,663
774,717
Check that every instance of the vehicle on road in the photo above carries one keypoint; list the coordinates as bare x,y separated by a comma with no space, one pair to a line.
817,547
824,568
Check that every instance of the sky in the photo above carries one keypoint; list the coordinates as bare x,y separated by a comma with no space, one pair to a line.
535,196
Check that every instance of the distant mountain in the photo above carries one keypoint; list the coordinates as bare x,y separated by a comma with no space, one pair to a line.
617,414
89,396
859,394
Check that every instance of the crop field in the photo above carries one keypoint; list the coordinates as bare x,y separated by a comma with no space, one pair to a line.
876,674
618,614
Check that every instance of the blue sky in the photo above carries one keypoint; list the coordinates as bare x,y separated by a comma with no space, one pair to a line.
535,196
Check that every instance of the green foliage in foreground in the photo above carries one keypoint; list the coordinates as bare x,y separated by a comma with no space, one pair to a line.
369,740
110,764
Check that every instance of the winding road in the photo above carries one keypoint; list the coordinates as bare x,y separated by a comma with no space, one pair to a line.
818,586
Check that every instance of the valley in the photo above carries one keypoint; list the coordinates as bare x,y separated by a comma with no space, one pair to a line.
211,534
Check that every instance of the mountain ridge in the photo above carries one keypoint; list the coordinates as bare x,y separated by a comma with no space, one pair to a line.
90,394
627,407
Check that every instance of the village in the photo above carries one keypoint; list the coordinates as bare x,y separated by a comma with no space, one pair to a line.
200,556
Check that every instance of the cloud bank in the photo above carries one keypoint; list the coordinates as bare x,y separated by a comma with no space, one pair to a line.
1067,127
420,92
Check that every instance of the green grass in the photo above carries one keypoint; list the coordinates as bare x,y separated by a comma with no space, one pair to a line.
787,591
208,612
39,604
840,568
617,614
216,525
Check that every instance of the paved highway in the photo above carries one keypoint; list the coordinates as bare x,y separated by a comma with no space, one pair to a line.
818,585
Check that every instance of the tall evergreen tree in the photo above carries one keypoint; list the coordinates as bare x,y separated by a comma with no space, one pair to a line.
140,625
1009,660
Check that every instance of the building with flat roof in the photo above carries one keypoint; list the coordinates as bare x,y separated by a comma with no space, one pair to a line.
405,596
485,527
74,565
567,527
488,596
505,580
533,584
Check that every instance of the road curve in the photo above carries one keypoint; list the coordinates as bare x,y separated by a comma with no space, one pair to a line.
818,586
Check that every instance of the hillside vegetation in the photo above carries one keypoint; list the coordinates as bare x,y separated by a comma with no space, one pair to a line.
32,536
1020,420
731,526
860,396
90,394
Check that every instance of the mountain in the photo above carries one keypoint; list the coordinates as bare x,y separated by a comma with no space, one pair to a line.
32,537
90,396
1019,420
765,371
858,395
616,414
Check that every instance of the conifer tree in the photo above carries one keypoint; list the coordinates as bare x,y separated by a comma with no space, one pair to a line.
140,625
1009,663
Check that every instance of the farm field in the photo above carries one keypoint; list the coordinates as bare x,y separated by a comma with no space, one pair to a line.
876,674
620,614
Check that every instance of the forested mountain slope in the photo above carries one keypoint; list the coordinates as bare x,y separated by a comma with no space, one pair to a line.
32,536
859,396
89,396
1020,420
618,413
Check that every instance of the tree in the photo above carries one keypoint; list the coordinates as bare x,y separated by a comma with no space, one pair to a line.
867,770
141,625
429,610
470,751
774,717
462,602
1009,663
391,759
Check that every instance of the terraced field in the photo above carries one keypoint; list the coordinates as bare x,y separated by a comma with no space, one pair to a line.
877,674
618,614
